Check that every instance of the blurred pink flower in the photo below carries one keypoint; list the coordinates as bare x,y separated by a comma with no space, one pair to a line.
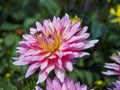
114,67
117,86
38,88
68,84
51,46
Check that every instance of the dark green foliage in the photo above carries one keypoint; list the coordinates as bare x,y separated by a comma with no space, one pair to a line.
6,85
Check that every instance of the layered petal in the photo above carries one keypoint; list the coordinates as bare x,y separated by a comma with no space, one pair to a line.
68,84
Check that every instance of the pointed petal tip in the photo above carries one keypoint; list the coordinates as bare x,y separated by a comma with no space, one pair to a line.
96,41
37,23
20,63
42,77
26,76
16,63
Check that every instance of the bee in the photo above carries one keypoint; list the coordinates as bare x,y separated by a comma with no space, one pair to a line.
37,33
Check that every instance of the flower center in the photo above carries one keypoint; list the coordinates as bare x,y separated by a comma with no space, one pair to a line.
50,43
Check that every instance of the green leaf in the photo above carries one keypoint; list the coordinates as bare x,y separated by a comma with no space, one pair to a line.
73,75
9,26
11,39
79,74
97,54
5,84
1,89
19,15
28,22
51,6
98,29
88,77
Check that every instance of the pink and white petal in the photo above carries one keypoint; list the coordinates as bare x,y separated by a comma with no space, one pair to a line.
32,31
90,44
77,45
20,62
59,54
24,44
28,37
35,58
74,46
113,66
75,27
117,83
72,31
60,73
68,65
83,87
65,20
83,30
66,16
14,58
69,83
49,84
77,85
45,24
118,53
64,31
52,57
67,57
39,26
32,68
48,29
116,58
58,63
51,27
56,84
109,73
49,68
44,64
21,50
38,88
79,38
42,77
32,52
57,24
81,54
64,87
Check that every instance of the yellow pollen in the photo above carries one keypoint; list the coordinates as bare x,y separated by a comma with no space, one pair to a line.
51,42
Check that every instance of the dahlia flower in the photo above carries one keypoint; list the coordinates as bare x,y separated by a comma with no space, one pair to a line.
68,84
51,46
114,67
117,86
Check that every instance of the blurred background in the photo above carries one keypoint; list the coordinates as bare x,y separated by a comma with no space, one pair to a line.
17,16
